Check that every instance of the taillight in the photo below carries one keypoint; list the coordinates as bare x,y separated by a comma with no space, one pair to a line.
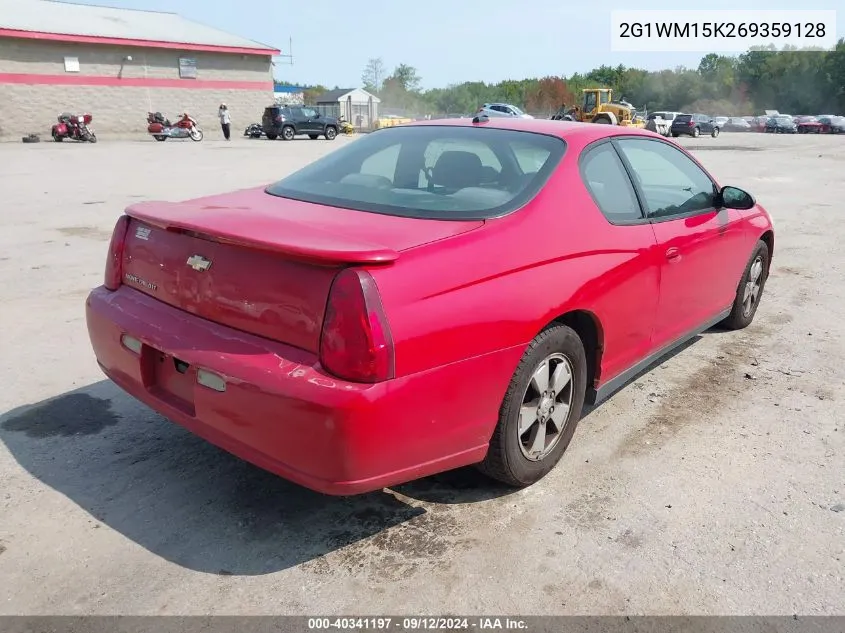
114,262
691,124
356,343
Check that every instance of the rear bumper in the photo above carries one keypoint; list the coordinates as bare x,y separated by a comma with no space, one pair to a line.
281,412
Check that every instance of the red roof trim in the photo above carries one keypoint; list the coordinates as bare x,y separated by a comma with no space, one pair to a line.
119,41
73,79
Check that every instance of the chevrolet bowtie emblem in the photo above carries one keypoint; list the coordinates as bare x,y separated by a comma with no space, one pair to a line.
199,263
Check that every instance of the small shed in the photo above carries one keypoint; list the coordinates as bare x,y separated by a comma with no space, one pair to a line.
358,106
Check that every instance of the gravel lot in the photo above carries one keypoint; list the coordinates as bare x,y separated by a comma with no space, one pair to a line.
714,484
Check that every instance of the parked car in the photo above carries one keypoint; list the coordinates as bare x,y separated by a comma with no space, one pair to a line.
291,121
322,368
503,110
694,125
808,125
758,124
832,124
737,124
720,121
665,115
781,124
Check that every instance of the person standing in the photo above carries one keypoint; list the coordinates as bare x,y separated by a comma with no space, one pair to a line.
225,120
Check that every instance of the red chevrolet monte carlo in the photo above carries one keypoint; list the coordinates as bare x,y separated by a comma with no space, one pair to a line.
429,296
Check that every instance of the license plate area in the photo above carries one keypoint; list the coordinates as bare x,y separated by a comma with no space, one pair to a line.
170,379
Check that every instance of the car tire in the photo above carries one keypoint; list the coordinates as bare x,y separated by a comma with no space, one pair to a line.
696,132
272,136
715,132
513,457
331,133
750,289
313,137
288,133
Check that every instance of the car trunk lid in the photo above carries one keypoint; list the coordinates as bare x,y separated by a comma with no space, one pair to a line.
261,263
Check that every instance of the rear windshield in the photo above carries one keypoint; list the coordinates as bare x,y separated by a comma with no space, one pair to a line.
683,118
428,171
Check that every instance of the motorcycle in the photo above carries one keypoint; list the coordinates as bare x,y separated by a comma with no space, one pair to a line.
74,127
162,129
345,126
254,130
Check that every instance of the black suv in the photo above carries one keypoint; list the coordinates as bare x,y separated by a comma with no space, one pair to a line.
694,125
289,121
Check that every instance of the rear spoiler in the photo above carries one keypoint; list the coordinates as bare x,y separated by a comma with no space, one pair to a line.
247,227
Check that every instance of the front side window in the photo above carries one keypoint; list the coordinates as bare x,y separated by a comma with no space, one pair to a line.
436,172
308,113
672,184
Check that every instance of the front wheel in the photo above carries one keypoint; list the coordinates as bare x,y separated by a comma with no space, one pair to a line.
92,138
750,289
196,134
541,409
331,133
159,137
715,132
57,138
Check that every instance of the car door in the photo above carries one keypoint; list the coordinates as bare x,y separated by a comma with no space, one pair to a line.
703,247
705,124
299,120
311,123
626,291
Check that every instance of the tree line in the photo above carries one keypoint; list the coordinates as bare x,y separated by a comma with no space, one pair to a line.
789,80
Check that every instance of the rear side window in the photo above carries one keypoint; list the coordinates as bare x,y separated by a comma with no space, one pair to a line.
437,172
608,183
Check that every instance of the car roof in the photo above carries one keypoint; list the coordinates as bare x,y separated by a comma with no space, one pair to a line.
584,133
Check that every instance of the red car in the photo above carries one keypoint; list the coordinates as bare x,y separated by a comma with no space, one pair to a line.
430,296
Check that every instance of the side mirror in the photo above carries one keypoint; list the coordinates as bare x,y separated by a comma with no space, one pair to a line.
736,198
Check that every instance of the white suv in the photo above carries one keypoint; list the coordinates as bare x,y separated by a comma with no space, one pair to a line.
503,109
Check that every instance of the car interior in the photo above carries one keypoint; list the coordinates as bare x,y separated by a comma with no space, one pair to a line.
439,173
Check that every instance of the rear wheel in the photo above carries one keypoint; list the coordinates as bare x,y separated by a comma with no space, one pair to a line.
57,138
696,132
288,133
750,289
540,410
602,119
160,137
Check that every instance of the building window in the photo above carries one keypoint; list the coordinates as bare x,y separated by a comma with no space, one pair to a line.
71,64
187,68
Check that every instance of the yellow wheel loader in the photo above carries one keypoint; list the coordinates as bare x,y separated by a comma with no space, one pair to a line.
598,106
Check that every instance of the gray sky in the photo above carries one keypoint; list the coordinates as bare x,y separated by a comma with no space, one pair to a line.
448,41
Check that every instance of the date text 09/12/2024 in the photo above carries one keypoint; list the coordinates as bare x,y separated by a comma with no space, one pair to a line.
721,31
416,623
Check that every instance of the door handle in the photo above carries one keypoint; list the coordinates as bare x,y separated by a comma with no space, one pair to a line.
673,254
